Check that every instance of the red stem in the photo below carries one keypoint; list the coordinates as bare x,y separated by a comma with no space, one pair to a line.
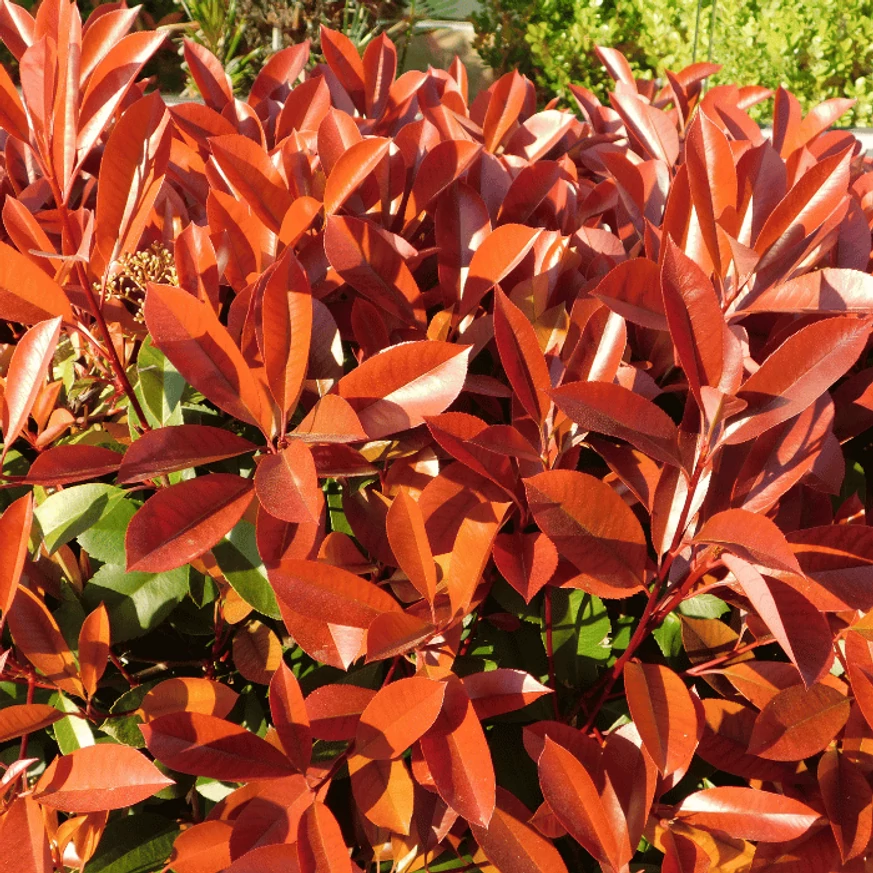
550,651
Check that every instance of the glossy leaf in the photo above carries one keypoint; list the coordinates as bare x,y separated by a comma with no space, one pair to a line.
94,643
287,484
15,524
848,800
290,717
188,694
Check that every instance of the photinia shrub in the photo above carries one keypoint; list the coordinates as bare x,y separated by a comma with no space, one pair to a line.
397,482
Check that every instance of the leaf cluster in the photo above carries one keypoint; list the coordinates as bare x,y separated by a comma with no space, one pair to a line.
394,481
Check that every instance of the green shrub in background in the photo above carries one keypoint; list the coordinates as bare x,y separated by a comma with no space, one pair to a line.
815,48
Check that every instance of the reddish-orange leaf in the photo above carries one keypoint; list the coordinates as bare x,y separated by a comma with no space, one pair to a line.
522,358
351,170
167,449
383,792
251,174
591,526
526,561
15,524
664,713
380,67
396,633
203,745
287,484
97,778
188,332
272,816
212,82
331,420
327,609
616,411
441,166
94,642
24,718
275,858
683,855
506,103
752,537
396,389
512,845
593,818
283,310
39,639
343,58
494,692
334,710
203,847
650,129
397,716
747,814
290,717
25,378
23,840
183,521
459,759
848,800
797,373
27,294
320,844
828,290
61,465
801,630
188,694
409,543
799,722
500,253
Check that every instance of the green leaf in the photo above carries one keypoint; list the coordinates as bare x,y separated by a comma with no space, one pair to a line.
703,606
66,514
581,632
160,387
105,539
71,732
238,559
669,636
137,602
336,515
134,844
122,725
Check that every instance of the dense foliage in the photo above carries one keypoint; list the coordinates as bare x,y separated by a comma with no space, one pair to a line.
391,482
817,49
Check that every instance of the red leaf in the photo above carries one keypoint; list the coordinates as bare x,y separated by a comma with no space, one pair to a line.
27,294
459,759
343,58
23,837
206,70
204,745
287,484
397,716
351,170
131,174
750,536
275,858
188,332
61,465
167,449
39,639
799,722
320,844
522,358
664,713
619,412
380,67
94,642
500,253
28,368
827,290
409,543
632,290
204,846
495,692
188,694
848,800
526,561
683,855
183,521
797,373
15,524
650,129
327,609
442,165
747,814
334,710
25,718
397,388
253,177
507,100
593,818
97,778
290,717
331,420
461,224
591,526
383,792
801,630
513,846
